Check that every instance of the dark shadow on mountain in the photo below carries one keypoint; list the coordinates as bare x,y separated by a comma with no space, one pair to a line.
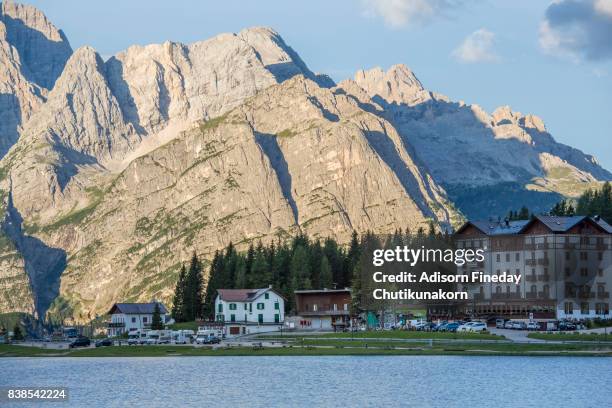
44,265
120,89
69,162
332,117
164,95
269,145
10,119
492,200
484,202
42,70
387,151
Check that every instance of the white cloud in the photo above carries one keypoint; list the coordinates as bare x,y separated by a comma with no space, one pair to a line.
604,7
401,13
477,47
578,30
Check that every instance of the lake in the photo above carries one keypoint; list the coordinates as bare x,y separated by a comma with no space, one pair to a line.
416,381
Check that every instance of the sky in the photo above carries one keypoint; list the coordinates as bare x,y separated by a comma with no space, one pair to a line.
553,60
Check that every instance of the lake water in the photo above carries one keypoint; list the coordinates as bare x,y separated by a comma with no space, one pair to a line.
415,381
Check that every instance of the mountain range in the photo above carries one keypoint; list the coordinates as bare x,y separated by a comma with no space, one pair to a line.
114,171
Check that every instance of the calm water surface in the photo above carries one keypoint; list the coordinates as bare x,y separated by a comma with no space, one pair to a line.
445,381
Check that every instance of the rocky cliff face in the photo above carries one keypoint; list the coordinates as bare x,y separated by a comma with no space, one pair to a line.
119,169
475,155
32,55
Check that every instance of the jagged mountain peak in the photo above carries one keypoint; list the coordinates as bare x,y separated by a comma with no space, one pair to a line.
42,47
396,85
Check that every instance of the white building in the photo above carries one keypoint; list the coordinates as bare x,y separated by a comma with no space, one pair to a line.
128,317
247,311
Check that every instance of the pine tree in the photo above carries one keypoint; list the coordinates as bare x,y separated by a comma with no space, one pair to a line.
156,321
17,333
214,283
300,269
178,303
325,275
193,290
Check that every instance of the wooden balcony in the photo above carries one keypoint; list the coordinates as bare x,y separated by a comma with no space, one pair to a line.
111,325
543,278
586,295
603,295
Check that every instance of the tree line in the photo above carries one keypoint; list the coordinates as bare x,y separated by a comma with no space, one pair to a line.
592,202
297,263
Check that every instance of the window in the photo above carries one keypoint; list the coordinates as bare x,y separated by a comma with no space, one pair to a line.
144,319
584,272
276,318
600,272
602,308
220,308
314,307
507,257
250,308
133,320
232,306
335,307
584,255
246,307
276,306
569,308
498,258
517,257
261,306
568,272
584,307
260,318
232,317
346,307
534,289
567,256
266,295
600,256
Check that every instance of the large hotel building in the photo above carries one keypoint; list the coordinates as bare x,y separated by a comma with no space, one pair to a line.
565,264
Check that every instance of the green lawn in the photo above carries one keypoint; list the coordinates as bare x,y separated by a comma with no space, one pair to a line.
321,348
571,336
399,334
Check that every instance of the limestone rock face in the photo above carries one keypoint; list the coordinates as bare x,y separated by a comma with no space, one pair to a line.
506,154
42,48
326,169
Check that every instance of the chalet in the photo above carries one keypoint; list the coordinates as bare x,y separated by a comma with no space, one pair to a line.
565,265
129,317
247,311
324,309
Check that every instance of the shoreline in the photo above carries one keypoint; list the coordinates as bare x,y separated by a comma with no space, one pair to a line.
7,351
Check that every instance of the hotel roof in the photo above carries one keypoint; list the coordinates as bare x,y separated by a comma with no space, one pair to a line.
137,308
555,223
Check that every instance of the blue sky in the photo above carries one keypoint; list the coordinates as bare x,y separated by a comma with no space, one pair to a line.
553,60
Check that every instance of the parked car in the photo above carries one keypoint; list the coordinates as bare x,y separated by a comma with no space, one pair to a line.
465,327
201,339
451,327
104,343
533,326
500,323
213,340
81,341
565,325
477,327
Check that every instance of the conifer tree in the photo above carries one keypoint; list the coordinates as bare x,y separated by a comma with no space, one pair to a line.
178,302
325,275
156,322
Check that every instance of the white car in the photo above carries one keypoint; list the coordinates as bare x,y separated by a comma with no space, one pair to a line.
477,327
465,327
533,326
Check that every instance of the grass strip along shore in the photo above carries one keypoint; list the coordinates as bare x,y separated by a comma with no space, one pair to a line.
319,347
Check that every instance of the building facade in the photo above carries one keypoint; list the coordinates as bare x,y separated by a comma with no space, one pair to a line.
247,311
129,317
325,309
565,265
